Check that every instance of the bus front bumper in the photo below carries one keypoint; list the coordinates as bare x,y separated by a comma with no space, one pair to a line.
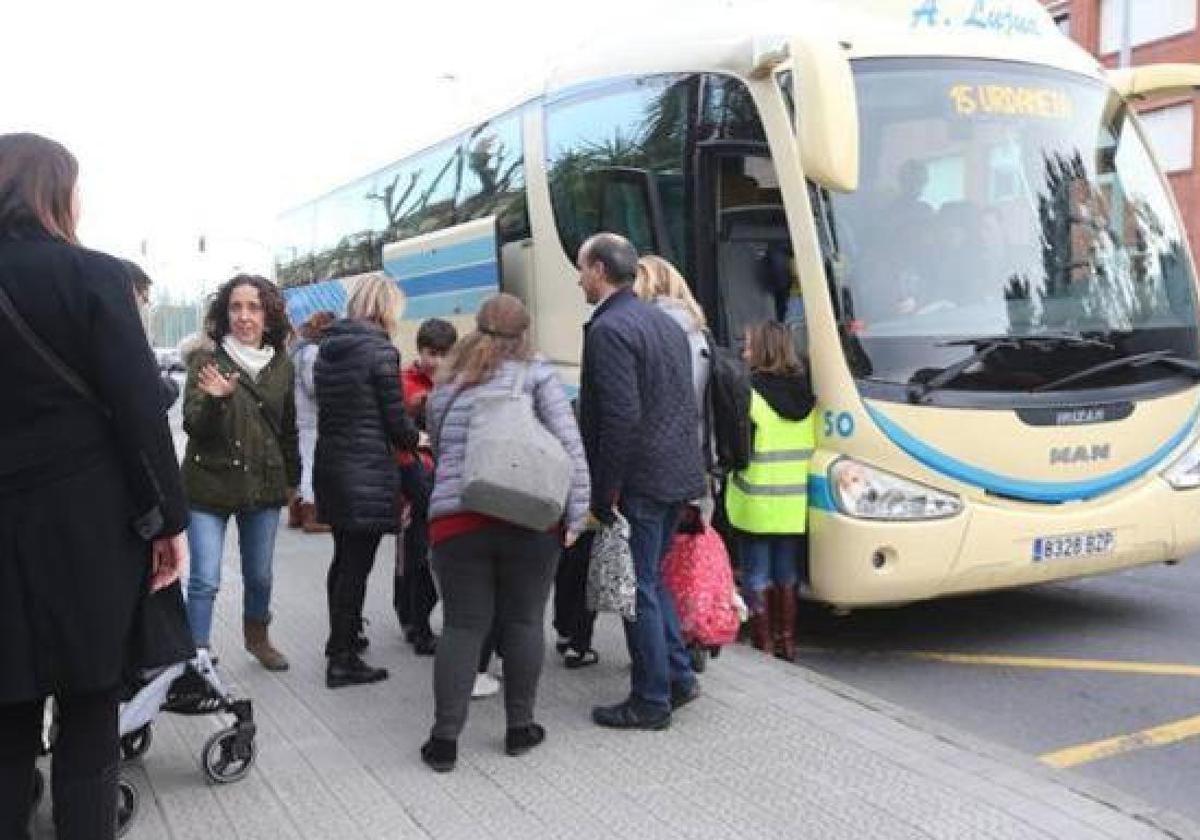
993,544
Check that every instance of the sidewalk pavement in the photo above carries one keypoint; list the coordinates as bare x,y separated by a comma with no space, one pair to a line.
770,750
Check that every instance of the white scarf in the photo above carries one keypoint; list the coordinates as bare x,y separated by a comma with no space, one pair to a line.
250,359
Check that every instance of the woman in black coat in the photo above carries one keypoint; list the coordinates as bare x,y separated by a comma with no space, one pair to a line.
78,553
360,421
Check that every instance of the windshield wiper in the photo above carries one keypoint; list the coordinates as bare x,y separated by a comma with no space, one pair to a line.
1153,357
1068,338
987,345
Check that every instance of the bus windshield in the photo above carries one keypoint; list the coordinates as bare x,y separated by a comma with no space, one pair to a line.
1005,201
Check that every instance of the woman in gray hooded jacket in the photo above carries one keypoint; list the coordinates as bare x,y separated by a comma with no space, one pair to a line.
658,282
486,567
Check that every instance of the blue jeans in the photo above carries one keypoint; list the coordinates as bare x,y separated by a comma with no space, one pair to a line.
768,560
656,650
206,543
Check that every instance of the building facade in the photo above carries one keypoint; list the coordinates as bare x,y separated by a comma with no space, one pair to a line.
1161,31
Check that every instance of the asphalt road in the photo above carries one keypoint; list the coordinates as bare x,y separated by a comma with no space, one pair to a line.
1039,697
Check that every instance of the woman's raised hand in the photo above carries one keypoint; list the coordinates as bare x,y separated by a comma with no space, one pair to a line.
214,383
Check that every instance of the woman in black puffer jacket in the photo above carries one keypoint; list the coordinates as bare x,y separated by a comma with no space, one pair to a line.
361,420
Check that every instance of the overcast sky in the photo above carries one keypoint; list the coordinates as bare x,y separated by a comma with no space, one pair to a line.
209,118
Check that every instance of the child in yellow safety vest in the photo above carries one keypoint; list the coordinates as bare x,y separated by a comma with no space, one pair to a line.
767,501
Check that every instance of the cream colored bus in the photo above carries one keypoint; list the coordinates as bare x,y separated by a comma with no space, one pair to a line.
952,206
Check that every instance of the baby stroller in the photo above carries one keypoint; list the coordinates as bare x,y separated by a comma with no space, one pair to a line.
187,688
192,688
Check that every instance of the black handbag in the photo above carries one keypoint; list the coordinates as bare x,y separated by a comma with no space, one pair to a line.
161,634
146,525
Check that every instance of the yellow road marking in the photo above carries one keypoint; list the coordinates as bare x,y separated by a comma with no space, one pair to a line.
1165,669
1158,736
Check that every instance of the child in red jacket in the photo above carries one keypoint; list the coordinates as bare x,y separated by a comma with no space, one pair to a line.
415,596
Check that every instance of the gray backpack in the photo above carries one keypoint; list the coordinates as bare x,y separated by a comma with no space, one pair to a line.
514,468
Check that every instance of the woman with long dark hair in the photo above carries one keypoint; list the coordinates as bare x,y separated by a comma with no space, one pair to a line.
489,570
91,510
243,456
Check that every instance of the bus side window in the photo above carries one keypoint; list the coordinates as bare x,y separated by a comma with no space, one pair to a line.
638,127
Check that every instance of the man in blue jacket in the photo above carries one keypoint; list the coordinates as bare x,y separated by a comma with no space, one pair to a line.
638,416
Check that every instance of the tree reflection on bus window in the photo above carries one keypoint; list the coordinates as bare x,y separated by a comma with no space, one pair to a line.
469,176
649,124
1005,200
638,124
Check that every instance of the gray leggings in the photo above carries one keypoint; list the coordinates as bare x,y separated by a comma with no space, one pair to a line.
504,572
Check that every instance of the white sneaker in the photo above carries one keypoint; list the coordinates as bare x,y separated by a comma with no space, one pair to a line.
485,686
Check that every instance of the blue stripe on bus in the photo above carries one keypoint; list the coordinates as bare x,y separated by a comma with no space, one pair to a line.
461,302
305,300
1016,488
453,280
819,495
418,263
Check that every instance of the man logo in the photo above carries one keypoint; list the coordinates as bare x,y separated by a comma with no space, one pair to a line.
1066,455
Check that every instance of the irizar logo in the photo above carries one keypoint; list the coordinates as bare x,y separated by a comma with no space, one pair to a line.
1066,455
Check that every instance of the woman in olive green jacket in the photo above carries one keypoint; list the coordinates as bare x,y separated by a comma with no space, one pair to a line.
243,457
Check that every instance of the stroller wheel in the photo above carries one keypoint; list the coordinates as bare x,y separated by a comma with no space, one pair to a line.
228,755
137,743
39,787
127,806
699,655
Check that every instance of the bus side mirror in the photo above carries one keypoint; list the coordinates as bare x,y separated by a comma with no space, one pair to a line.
1156,81
826,113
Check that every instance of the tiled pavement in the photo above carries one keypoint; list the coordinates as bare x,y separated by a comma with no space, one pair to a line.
770,750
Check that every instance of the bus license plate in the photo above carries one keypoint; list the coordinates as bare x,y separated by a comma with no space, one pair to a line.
1073,545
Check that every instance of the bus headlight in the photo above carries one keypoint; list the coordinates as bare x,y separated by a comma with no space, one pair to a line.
867,493
1184,474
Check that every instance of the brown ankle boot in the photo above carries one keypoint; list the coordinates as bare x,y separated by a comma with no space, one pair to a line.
785,636
308,519
260,647
760,628
294,516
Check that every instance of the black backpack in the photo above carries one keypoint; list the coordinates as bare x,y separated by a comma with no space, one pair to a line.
727,407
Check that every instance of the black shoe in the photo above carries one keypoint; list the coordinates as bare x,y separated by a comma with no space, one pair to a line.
575,660
424,644
348,669
681,695
626,716
359,644
440,754
522,739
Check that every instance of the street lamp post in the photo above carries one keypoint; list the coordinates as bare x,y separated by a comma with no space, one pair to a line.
1126,59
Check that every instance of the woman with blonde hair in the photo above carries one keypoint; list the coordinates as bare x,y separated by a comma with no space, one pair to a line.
660,283
361,422
486,567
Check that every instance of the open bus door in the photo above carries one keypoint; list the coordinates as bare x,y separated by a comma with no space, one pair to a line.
743,247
